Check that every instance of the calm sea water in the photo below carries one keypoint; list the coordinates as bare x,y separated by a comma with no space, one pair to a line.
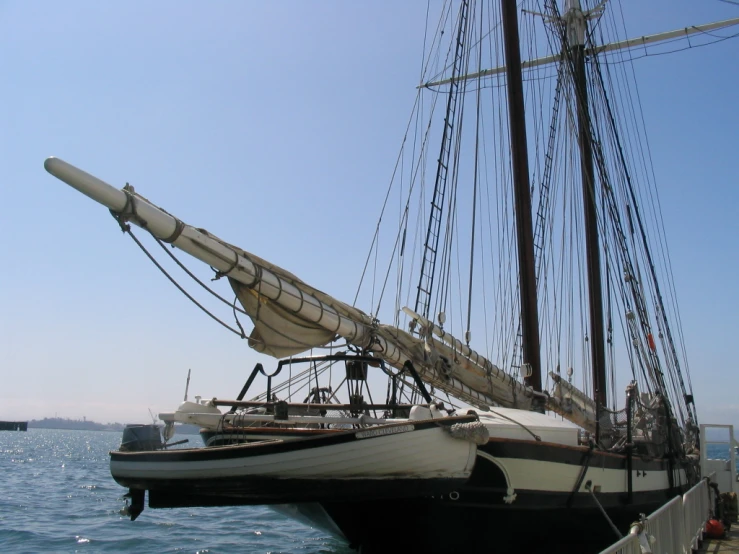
57,495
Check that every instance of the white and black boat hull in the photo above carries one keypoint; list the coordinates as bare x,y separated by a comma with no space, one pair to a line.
520,496
416,458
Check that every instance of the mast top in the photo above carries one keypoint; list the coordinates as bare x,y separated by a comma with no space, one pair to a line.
600,49
577,20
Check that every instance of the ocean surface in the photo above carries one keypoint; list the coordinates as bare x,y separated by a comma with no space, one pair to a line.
57,495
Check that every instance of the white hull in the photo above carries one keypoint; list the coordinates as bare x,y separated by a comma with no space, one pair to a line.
534,475
556,463
404,452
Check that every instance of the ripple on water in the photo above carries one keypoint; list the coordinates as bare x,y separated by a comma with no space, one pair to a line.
57,496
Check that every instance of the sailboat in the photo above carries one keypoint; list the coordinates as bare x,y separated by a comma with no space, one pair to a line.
537,225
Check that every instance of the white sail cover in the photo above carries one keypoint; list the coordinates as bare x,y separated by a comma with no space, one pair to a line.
276,331
279,332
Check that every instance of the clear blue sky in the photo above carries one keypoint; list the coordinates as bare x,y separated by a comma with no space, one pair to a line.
264,122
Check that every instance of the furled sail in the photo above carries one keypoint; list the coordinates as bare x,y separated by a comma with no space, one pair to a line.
290,316
276,331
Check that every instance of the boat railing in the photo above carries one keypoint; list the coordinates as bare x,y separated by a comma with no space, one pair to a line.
627,545
281,413
697,508
676,527
217,420
310,405
356,367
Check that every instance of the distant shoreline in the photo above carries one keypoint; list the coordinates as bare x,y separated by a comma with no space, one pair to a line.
73,424
84,425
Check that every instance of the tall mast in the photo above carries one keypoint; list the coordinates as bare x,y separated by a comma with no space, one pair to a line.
522,197
576,22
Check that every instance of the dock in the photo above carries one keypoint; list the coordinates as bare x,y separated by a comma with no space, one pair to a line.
13,426
728,544
679,526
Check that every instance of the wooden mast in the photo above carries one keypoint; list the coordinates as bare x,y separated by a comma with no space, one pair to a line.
522,197
576,22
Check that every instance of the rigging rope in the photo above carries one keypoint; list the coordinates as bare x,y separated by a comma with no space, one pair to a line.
127,229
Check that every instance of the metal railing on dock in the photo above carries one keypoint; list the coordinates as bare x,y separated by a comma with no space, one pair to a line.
676,528
627,545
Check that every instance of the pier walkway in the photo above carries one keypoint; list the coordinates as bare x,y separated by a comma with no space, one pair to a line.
729,544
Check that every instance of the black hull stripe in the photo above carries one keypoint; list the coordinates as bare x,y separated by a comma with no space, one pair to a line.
550,452
441,494
262,491
529,500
